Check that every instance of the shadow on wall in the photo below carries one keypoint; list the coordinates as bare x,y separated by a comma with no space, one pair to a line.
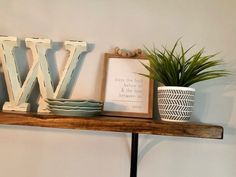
214,100
23,58
3,89
147,142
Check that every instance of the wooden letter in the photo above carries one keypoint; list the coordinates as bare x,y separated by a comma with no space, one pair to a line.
18,92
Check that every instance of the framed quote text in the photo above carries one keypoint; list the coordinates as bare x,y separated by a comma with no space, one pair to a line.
124,91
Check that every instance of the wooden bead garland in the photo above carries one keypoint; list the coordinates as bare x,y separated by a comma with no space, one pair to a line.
127,53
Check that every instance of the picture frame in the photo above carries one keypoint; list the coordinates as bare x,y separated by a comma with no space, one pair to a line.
125,92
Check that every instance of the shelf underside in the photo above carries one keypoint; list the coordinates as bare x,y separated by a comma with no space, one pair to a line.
115,124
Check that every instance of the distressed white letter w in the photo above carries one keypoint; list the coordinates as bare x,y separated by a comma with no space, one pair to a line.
19,93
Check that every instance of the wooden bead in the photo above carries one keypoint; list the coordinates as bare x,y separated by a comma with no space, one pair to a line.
127,53
130,54
124,53
119,52
116,49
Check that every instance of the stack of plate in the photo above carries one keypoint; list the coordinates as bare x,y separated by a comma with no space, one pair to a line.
69,107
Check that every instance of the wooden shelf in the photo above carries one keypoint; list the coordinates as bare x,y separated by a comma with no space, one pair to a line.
116,124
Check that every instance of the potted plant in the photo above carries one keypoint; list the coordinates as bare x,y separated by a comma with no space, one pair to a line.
176,70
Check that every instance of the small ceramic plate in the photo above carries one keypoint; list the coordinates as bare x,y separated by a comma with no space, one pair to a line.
74,107
74,103
72,100
78,113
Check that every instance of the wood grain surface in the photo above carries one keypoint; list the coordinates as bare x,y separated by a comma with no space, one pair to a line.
115,124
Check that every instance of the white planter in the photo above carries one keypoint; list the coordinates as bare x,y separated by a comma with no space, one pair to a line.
175,103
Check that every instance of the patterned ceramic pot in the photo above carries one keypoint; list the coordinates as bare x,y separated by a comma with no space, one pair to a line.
175,103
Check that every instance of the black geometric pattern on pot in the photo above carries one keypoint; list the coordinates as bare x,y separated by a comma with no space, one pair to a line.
161,93
176,102
170,117
176,112
177,92
175,107
176,96
174,116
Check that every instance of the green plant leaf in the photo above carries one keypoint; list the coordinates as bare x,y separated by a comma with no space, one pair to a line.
173,68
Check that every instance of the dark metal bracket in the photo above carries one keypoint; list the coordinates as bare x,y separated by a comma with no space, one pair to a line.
134,155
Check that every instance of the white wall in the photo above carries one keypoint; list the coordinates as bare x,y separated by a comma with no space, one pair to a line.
41,152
